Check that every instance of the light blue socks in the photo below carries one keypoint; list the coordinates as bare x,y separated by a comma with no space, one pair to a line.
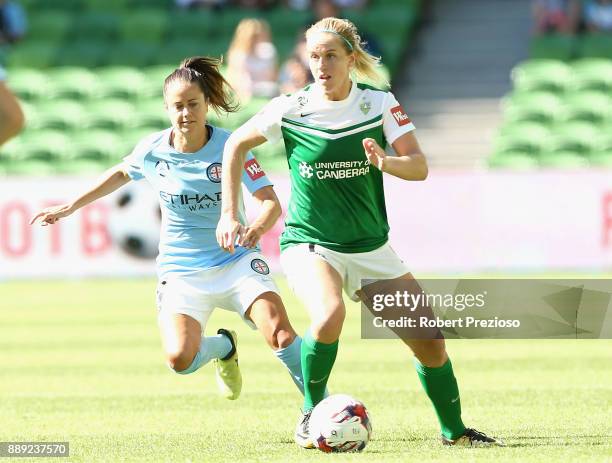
291,358
211,347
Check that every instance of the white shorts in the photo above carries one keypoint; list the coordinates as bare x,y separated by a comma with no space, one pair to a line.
380,264
232,287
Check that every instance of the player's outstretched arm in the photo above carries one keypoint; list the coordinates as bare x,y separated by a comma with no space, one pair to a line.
410,162
111,180
270,212
237,146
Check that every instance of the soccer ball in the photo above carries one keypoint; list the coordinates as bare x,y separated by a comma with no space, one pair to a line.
340,423
135,221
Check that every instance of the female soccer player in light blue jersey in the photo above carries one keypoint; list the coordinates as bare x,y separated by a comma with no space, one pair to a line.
183,163
336,232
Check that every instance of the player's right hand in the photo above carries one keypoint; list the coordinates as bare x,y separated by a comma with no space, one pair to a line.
228,230
52,214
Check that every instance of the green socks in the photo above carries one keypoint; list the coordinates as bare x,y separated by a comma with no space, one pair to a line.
441,387
439,383
317,361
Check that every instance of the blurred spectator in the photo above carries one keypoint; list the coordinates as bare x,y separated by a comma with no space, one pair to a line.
299,5
13,23
329,9
305,4
294,73
294,76
300,51
597,15
325,9
260,4
193,4
555,16
252,60
351,3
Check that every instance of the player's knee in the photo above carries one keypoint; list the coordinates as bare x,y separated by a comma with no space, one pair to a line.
334,314
279,336
328,326
431,352
282,338
179,360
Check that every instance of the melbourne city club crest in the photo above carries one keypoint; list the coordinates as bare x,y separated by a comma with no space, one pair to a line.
260,266
214,172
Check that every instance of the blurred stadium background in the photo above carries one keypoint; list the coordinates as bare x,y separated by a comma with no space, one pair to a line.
517,128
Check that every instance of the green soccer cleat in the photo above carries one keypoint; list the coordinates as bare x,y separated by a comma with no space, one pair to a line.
473,438
302,434
229,378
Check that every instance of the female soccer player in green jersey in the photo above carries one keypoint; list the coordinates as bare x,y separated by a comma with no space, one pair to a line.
336,227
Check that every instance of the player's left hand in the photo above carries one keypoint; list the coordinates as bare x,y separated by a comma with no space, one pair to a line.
375,154
251,237
228,231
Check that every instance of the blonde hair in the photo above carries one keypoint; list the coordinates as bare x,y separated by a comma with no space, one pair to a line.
368,68
246,32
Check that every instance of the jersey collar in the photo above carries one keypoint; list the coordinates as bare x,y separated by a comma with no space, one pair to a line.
197,154
337,104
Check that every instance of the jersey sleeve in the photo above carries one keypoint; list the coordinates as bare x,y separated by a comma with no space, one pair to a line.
133,163
395,120
268,120
253,176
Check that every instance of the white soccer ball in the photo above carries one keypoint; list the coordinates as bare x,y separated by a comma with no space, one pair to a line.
135,221
340,423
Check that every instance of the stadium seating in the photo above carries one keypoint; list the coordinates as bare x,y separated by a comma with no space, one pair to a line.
39,54
559,114
595,46
561,47
92,71
593,74
53,26
72,82
148,26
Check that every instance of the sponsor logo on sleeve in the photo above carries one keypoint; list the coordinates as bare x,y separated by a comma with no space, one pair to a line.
253,169
400,115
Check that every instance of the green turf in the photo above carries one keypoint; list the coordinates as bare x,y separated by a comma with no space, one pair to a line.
82,362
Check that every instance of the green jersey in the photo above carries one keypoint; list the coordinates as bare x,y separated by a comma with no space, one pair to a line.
337,198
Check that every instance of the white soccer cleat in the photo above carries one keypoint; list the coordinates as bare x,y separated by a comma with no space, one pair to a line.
302,433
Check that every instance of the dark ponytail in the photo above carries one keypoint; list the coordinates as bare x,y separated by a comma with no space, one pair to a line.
204,71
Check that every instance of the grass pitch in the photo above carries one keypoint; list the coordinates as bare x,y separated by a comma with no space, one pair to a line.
82,362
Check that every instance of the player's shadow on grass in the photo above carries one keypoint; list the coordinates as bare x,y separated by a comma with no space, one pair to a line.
539,441
515,442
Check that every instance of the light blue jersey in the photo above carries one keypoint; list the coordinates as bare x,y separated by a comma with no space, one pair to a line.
189,190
